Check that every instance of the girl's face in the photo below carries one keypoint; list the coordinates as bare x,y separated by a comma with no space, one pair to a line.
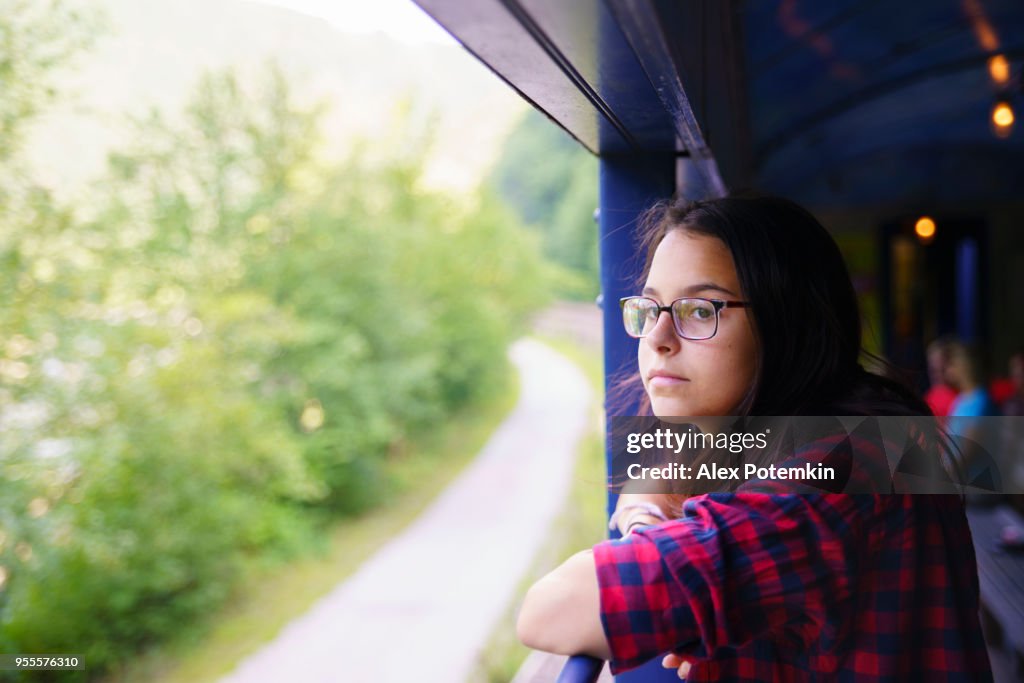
696,378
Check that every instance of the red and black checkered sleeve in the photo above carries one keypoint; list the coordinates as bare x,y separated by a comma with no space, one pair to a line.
735,568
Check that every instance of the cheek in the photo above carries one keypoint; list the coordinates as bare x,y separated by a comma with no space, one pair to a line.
644,356
728,373
743,357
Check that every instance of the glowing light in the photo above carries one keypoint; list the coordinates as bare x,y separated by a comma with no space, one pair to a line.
1002,114
999,69
925,228
984,32
1002,119
312,417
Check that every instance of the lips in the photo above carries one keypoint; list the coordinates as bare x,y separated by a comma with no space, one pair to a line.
662,378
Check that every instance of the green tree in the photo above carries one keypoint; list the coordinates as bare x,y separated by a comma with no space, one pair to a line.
551,182
220,351
148,470
37,39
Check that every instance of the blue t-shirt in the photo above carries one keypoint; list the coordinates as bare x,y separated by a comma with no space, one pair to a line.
976,403
965,412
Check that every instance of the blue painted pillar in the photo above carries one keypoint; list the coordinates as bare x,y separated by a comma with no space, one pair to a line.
629,185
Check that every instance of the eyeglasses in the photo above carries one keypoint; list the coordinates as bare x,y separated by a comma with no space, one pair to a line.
693,319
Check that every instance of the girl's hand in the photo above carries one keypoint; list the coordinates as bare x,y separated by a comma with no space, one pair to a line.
638,509
676,662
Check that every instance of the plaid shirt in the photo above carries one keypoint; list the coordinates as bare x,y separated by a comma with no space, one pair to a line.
763,587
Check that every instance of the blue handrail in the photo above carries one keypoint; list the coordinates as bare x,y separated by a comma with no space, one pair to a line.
581,669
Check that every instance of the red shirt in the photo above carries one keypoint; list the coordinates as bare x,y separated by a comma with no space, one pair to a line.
1001,389
940,399
764,587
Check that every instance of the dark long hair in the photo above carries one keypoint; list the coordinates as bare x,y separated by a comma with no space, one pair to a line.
806,320
804,309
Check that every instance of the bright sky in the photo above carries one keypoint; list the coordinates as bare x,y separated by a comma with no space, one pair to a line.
400,19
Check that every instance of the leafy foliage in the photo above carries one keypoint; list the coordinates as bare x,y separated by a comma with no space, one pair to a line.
219,349
36,38
551,181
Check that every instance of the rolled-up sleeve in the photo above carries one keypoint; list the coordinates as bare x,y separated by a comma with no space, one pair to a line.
734,568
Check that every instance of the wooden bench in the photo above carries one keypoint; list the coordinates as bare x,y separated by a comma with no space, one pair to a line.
1001,575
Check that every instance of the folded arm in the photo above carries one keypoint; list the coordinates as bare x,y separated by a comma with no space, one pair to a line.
562,612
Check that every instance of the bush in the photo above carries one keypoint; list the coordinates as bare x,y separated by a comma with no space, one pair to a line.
219,353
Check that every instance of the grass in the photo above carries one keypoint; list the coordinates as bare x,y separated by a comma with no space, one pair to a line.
580,525
250,619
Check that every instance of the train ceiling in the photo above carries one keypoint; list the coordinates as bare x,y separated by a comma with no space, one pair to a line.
838,103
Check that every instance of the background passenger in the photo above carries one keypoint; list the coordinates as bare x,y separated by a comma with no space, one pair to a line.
940,394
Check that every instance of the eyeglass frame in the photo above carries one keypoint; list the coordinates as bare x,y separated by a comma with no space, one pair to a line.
717,304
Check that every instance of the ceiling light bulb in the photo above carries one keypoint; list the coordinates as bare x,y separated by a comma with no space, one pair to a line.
925,228
1002,119
999,69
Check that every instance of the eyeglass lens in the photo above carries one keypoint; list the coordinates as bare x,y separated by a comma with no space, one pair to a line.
693,318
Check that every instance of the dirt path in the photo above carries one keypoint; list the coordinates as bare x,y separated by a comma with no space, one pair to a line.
423,606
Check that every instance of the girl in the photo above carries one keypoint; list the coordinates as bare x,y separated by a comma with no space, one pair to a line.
747,309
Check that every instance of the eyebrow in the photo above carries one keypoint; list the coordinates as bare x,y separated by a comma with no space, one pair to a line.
695,289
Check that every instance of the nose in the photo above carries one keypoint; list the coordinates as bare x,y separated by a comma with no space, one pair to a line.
662,337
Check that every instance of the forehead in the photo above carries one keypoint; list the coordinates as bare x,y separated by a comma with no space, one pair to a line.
685,260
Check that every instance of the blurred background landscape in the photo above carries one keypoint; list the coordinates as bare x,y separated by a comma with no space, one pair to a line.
258,278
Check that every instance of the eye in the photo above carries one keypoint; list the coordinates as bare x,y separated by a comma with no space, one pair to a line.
696,311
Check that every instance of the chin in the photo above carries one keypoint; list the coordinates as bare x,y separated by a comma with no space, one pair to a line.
663,408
